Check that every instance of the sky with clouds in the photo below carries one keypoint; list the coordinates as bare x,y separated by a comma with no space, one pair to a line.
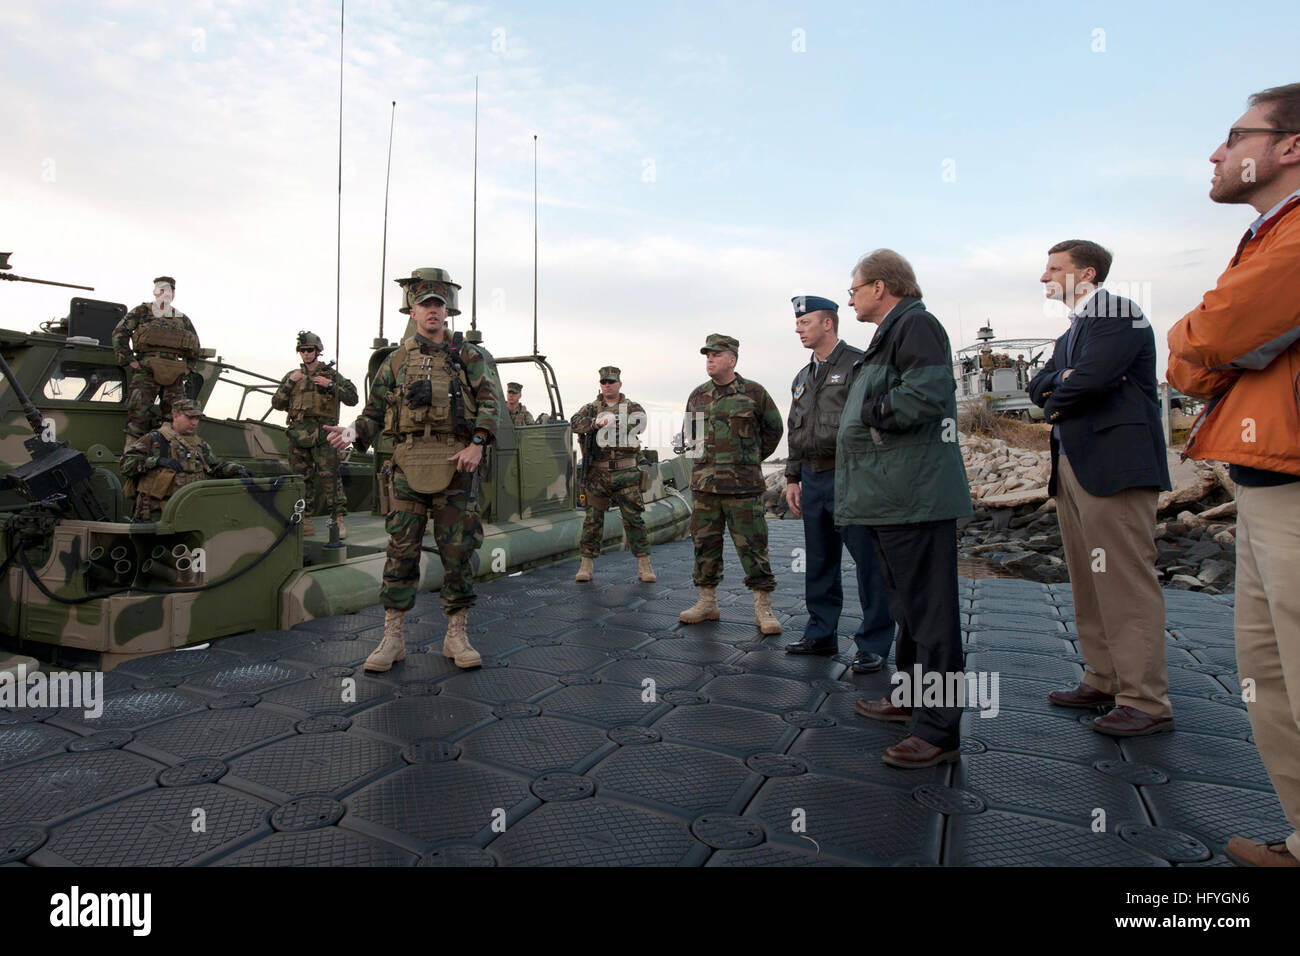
700,163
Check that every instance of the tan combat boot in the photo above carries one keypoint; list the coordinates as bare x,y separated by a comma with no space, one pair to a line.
456,645
763,617
643,570
392,648
705,609
343,529
308,525
584,570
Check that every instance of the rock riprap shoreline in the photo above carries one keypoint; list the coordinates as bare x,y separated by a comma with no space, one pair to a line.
1014,527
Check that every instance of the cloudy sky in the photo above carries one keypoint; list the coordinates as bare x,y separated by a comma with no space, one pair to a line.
700,164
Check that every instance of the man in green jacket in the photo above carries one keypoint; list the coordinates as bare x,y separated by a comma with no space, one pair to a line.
899,471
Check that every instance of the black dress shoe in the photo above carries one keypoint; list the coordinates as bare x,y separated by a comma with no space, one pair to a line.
867,663
806,646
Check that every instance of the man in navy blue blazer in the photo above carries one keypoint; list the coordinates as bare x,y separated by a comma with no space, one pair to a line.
1109,464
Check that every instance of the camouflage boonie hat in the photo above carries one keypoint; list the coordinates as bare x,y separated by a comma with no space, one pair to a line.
168,279
721,343
189,407
611,371
427,282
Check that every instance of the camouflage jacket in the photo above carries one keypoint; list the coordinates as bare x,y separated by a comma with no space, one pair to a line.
479,374
304,430
620,440
125,329
521,416
142,457
735,427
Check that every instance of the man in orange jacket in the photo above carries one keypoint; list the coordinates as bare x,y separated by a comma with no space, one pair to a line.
1240,350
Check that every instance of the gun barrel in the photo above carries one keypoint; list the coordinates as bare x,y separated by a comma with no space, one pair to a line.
65,285
31,411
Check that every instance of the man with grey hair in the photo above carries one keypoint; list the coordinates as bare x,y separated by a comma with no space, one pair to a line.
899,472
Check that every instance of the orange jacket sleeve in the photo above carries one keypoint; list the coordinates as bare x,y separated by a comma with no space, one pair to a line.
1252,314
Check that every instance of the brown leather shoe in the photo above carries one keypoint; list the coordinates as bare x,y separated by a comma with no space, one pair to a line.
1130,722
913,753
1245,852
882,710
1085,696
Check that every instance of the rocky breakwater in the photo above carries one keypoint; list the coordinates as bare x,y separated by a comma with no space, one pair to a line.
1015,529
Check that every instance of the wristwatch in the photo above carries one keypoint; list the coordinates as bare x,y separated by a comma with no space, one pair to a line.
479,440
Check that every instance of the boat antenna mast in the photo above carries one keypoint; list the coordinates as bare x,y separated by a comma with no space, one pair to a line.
335,543
380,341
474,335
534,243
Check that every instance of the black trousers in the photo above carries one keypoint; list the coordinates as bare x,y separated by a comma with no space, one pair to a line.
918,563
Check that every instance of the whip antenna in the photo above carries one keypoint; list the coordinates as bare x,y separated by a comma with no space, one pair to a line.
383,262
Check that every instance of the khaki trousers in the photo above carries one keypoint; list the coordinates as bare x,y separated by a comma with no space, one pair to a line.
1267,625
1119,609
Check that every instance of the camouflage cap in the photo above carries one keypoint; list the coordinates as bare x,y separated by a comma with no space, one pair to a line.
611,371
721,343
188,406
168,279
426,283
514,387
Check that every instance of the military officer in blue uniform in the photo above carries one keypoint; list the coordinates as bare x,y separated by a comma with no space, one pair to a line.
817,401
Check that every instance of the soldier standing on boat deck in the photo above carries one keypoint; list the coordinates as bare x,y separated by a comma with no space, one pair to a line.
158,345
440,402
311,394
611,473
733,424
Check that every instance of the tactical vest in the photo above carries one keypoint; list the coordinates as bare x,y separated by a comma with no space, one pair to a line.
409,366
605,451
165,334
424,438
307,400
162,483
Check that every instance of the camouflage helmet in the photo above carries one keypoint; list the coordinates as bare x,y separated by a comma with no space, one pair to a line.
310,340
428,281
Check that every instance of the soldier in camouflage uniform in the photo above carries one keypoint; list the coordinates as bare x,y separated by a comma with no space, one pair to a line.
311,394
733,425
440,402
519,414
164,461
612,472
160,346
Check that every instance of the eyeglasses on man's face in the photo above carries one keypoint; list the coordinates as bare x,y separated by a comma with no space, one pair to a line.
608,381
854,288
308,351
1237,132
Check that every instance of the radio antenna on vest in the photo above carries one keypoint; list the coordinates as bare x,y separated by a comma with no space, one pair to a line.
473,287
383,262
534,243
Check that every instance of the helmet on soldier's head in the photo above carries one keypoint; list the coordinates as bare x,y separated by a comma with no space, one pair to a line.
425,283
310,340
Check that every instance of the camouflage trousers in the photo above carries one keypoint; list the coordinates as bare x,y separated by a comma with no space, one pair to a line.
457,531
743,514
140,395
622,488
319,466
